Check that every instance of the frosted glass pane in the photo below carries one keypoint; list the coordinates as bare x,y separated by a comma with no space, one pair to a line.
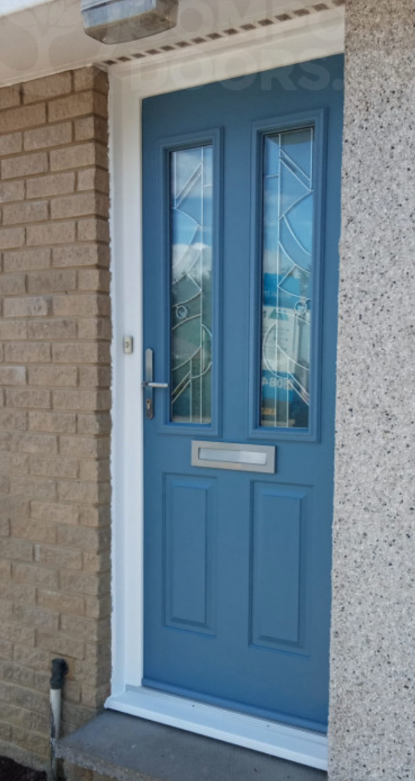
287,267
191,231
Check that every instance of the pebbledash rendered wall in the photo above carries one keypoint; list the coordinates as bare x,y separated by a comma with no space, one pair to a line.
55,374
372,713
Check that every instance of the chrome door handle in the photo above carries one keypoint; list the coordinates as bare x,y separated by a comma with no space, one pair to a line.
151,384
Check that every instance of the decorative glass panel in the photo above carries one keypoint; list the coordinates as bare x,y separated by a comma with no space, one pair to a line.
191,191
288,200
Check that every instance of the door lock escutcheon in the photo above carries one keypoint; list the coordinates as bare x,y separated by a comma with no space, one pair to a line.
149,385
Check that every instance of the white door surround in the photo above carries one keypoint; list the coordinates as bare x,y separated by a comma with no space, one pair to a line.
130,84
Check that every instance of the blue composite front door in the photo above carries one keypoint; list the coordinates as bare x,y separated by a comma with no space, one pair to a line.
241,228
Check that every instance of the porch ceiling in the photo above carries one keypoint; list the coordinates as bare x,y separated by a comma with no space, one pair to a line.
13,6
49,37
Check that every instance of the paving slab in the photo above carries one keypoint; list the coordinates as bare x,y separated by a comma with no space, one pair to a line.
127,748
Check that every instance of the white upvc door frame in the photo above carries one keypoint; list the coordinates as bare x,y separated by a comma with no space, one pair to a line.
301,42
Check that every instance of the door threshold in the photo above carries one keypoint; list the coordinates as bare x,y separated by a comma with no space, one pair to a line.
278,740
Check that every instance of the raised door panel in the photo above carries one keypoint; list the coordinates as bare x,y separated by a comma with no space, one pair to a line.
278,566
189,553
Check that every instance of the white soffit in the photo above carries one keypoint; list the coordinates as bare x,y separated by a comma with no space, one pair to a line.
13,6
49,37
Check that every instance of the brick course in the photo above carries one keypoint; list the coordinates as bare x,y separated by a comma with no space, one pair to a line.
55,423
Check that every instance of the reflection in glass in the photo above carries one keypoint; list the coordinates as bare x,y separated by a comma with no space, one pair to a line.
191,231
287,278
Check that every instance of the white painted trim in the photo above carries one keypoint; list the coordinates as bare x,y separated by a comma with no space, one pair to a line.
295,745
128,88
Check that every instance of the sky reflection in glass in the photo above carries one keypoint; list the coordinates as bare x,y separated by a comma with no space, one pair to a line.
287,278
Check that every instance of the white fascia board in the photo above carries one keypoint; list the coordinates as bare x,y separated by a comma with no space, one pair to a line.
14,6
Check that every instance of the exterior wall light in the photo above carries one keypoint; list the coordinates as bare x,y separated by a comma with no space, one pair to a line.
119,21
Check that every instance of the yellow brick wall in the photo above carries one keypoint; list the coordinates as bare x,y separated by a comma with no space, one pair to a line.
55,377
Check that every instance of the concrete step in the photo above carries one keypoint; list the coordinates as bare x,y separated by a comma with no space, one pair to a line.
125,748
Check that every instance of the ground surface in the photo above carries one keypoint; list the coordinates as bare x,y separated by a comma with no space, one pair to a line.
11,771
127,748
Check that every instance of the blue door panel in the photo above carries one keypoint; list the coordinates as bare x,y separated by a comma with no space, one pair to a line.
237,565
279,568
189,553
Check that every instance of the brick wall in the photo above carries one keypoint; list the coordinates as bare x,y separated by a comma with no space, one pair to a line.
54,404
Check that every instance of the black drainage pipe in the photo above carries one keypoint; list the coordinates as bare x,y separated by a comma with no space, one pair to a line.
59,670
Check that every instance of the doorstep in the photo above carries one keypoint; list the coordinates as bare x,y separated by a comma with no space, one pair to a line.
127,748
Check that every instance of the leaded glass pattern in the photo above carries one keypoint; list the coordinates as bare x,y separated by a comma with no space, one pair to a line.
191,232
287,266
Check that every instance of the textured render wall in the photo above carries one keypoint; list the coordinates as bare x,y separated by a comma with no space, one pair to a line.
55,401
373,660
